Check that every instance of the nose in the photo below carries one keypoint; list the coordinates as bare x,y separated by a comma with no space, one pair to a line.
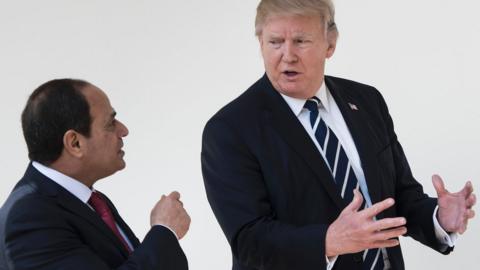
289,53
122,129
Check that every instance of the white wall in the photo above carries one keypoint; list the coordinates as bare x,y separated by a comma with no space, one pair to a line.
169,65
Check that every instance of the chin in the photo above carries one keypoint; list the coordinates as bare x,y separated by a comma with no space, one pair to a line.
122,165
294,92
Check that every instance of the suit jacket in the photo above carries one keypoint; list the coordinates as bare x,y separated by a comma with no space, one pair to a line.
43,226
275,197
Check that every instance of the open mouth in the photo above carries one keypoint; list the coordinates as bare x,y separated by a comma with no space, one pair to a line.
121,146
120,151
290,73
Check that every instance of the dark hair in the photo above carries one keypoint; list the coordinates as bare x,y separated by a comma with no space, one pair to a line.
52,109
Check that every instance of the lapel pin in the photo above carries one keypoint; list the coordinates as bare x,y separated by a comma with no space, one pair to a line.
353,106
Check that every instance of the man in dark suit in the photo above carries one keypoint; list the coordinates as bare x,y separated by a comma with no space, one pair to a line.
54,219
304,171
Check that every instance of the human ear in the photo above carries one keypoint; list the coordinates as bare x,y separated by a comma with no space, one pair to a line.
73,143
332,37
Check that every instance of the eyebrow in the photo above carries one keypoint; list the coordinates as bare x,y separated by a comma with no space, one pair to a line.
295,35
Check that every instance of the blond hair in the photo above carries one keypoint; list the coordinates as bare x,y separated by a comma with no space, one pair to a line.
321,8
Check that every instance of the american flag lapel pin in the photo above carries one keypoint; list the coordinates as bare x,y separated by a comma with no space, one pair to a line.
353,106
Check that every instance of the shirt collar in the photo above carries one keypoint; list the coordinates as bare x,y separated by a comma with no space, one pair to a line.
296,104
77,188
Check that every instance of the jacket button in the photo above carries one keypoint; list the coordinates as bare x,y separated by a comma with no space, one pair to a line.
357,258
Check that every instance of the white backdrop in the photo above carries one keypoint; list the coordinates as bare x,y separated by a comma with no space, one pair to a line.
168,66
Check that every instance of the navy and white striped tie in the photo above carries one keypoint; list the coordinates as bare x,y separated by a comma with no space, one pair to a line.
342,171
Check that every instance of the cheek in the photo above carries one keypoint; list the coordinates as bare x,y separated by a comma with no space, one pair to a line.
271,59
272,66
315,63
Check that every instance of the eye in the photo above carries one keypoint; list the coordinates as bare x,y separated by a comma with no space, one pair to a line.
111,124
275,42
301,41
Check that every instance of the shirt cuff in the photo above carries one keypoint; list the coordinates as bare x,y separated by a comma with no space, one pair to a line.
169,229
442,236
331,262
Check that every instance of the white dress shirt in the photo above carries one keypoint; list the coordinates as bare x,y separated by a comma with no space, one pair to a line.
330,113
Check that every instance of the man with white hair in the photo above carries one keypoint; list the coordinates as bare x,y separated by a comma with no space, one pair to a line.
304,171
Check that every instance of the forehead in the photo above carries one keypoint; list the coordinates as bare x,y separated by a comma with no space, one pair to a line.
279,24
98,102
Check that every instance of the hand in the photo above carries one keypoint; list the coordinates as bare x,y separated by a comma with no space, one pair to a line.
354,231
454,209
169,212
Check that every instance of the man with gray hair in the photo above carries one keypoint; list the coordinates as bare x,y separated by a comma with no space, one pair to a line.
304,171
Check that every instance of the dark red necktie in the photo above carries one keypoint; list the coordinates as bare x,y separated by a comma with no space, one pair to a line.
100,206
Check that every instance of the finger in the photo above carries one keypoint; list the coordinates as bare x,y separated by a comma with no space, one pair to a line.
174,195
384,244
438,185
467,189
389,234
356,202
463,229
378,207
388,223
470,214
163,197
462,225
180,202
471,200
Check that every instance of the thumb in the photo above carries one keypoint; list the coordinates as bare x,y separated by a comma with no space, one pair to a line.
356,201
438,185
174,195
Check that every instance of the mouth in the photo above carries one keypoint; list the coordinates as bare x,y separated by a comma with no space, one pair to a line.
290,73
120,151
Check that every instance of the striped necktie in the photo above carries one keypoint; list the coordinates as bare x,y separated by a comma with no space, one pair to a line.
342,171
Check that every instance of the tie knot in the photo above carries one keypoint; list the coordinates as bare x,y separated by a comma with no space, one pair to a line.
98,203
312,104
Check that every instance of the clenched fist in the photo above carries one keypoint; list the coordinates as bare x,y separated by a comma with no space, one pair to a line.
169,212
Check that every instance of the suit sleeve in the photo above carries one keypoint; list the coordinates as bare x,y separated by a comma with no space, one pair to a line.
235,186
36,238
411,201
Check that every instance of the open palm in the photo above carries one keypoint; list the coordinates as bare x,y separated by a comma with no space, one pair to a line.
454,209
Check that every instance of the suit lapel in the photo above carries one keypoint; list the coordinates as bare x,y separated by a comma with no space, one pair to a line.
121,223
363,136
75,206
72,204
280,116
